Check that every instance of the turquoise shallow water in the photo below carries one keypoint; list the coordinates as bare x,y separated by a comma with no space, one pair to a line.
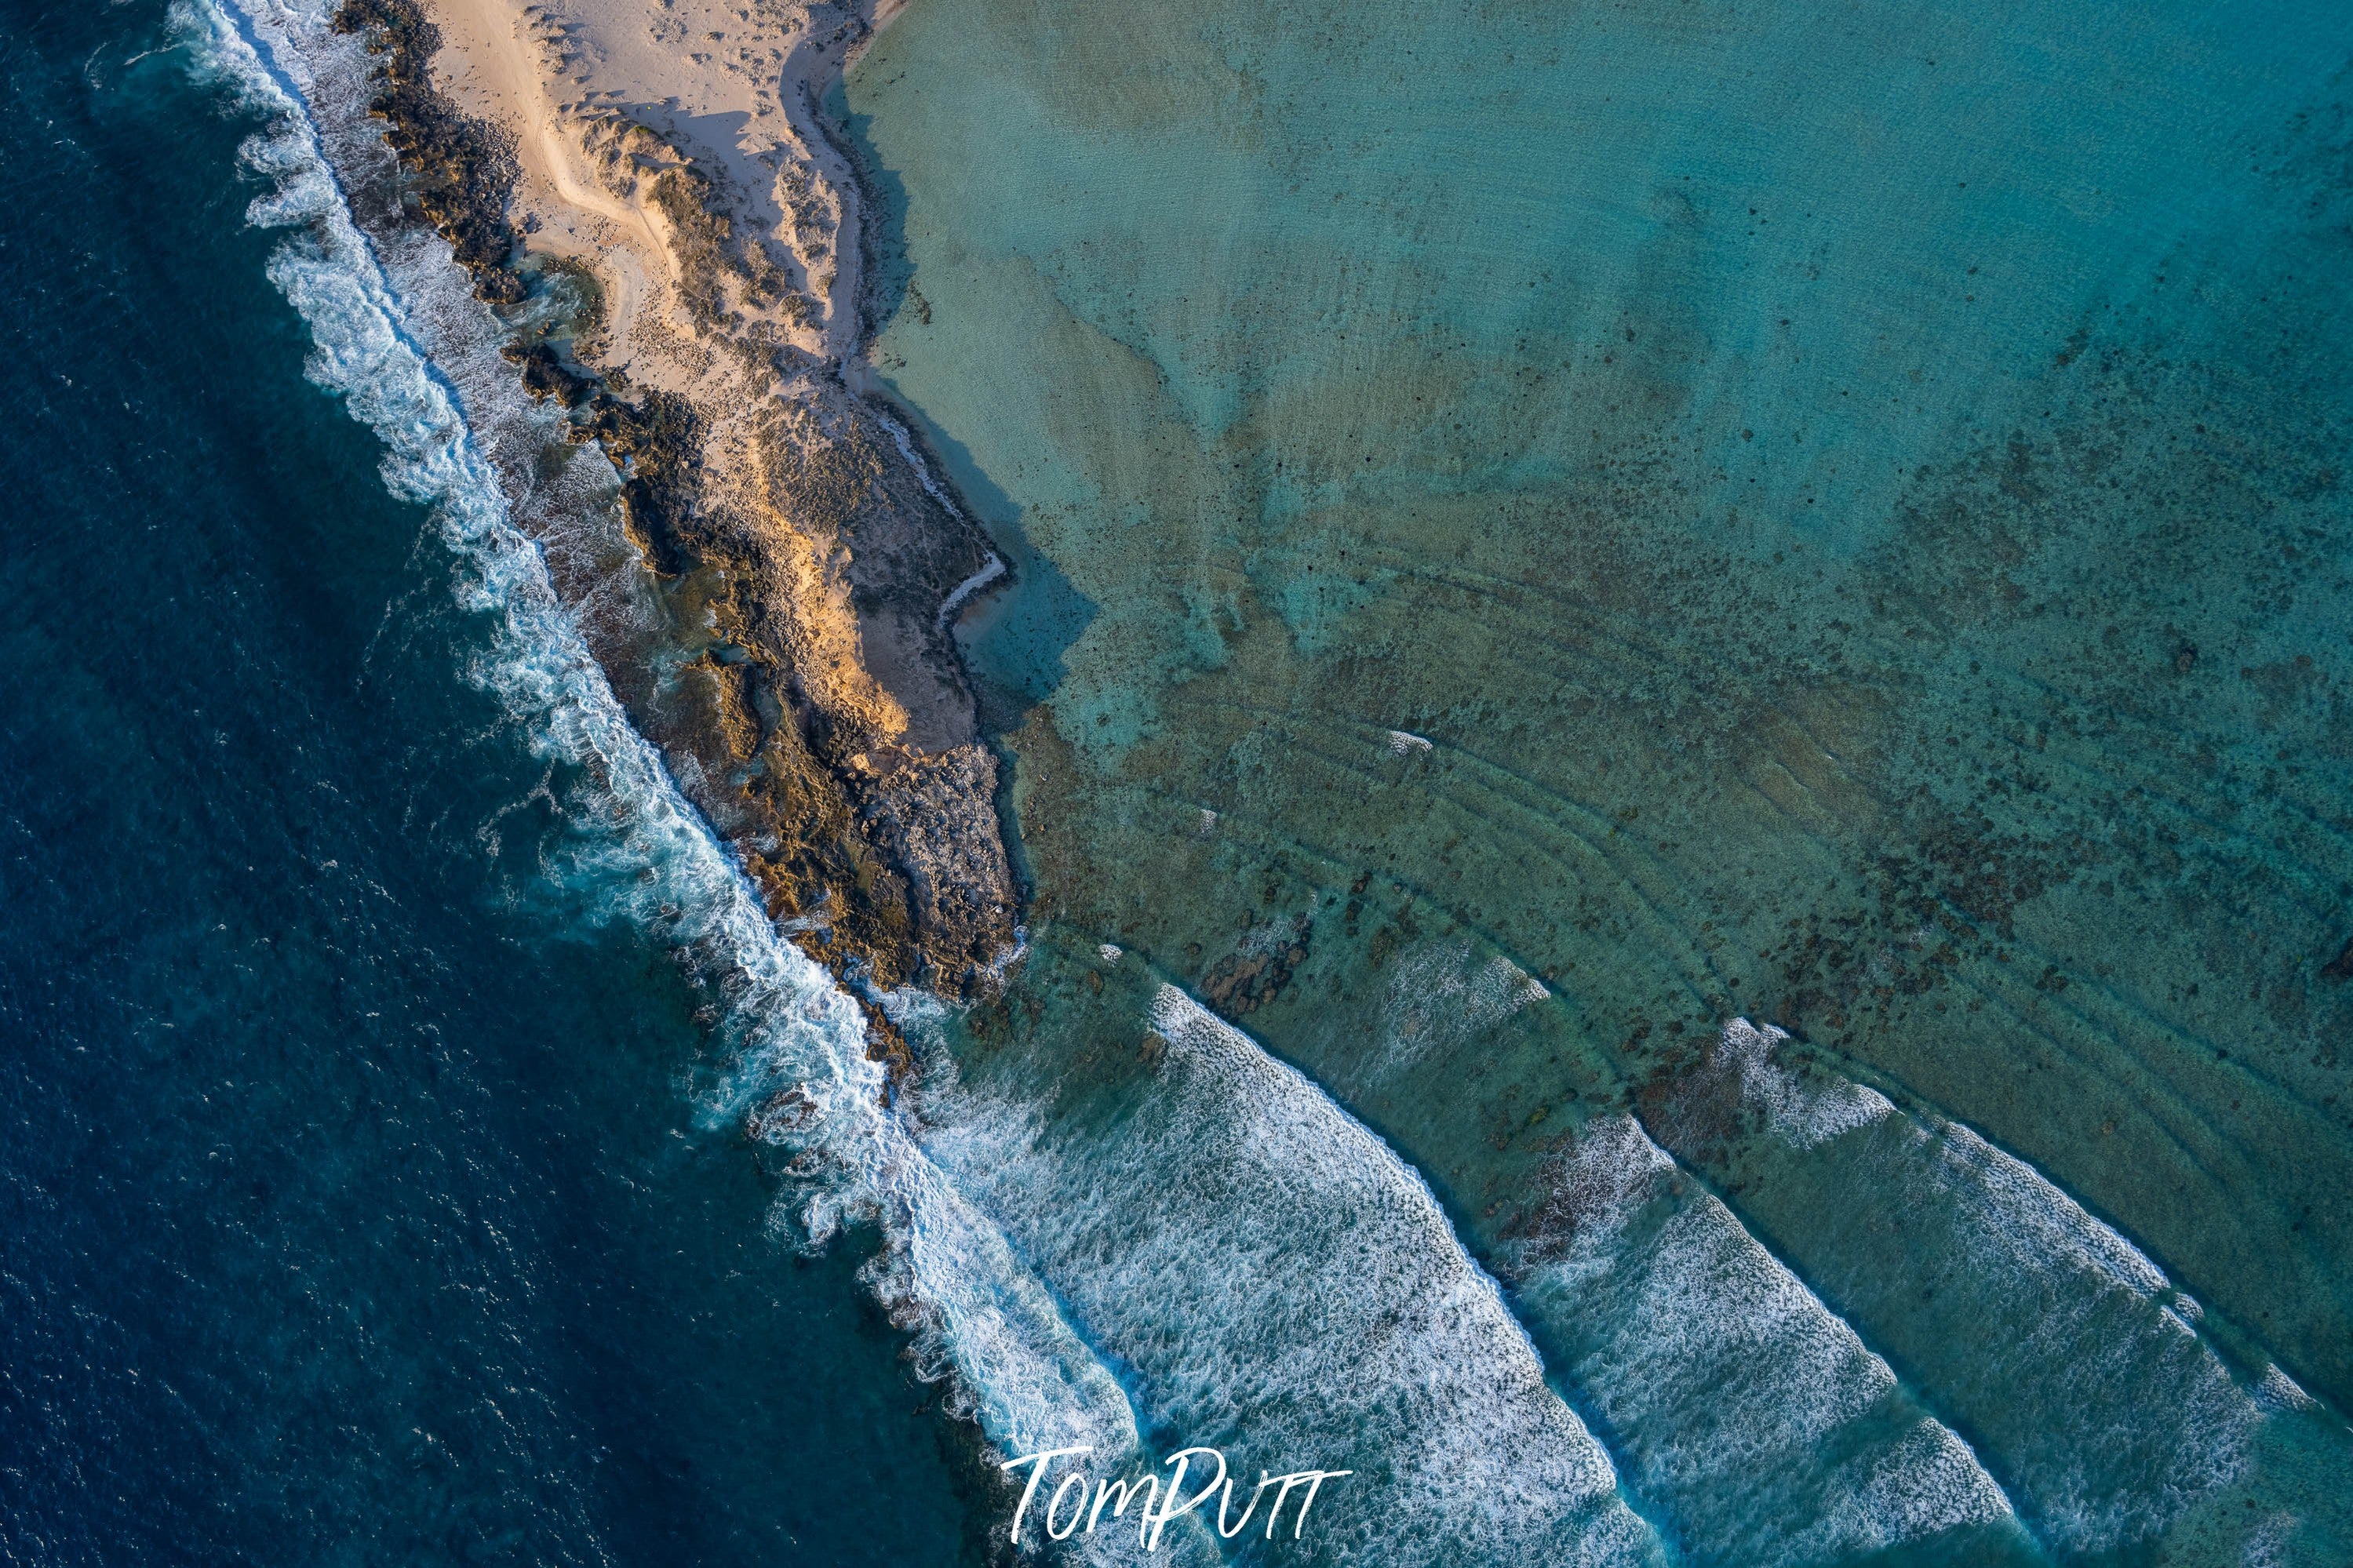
1542,531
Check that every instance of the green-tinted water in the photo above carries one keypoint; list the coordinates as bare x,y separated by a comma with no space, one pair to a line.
1542,529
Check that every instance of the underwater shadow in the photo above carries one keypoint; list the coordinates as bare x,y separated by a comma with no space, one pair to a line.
1012,636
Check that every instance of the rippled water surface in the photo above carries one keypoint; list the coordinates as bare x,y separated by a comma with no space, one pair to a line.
353,1204
1543,530
1676,678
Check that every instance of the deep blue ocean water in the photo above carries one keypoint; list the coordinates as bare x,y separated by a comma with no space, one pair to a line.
1462,656
352,1207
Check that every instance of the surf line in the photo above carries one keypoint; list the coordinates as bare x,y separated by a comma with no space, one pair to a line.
1157,1509
977,1316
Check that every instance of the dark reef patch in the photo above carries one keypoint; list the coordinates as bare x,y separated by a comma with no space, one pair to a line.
656,443
883,861
462,169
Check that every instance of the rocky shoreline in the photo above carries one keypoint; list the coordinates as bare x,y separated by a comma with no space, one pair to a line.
814,708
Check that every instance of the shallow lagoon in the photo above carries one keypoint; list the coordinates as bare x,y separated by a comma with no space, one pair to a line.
1542,529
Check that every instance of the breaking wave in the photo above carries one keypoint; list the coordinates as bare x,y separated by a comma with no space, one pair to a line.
1743,1407
1278,1282
797,1042
2092,1388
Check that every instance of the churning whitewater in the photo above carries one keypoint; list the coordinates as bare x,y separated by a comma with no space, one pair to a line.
415,360
1245,1263
978,1315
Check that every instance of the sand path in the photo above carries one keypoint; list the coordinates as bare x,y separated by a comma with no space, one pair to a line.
734,84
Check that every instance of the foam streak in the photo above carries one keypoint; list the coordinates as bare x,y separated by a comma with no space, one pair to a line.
945,1270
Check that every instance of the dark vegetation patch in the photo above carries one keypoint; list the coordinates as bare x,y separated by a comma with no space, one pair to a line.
850,860
462,170
462,176
657,443
1241,983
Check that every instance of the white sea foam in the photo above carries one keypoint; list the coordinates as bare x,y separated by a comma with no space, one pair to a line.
906,444
1747,1410
2107,1323
1804,1111
1282,1284
969,587
945,1272
989,571
2083,1374
1441,996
